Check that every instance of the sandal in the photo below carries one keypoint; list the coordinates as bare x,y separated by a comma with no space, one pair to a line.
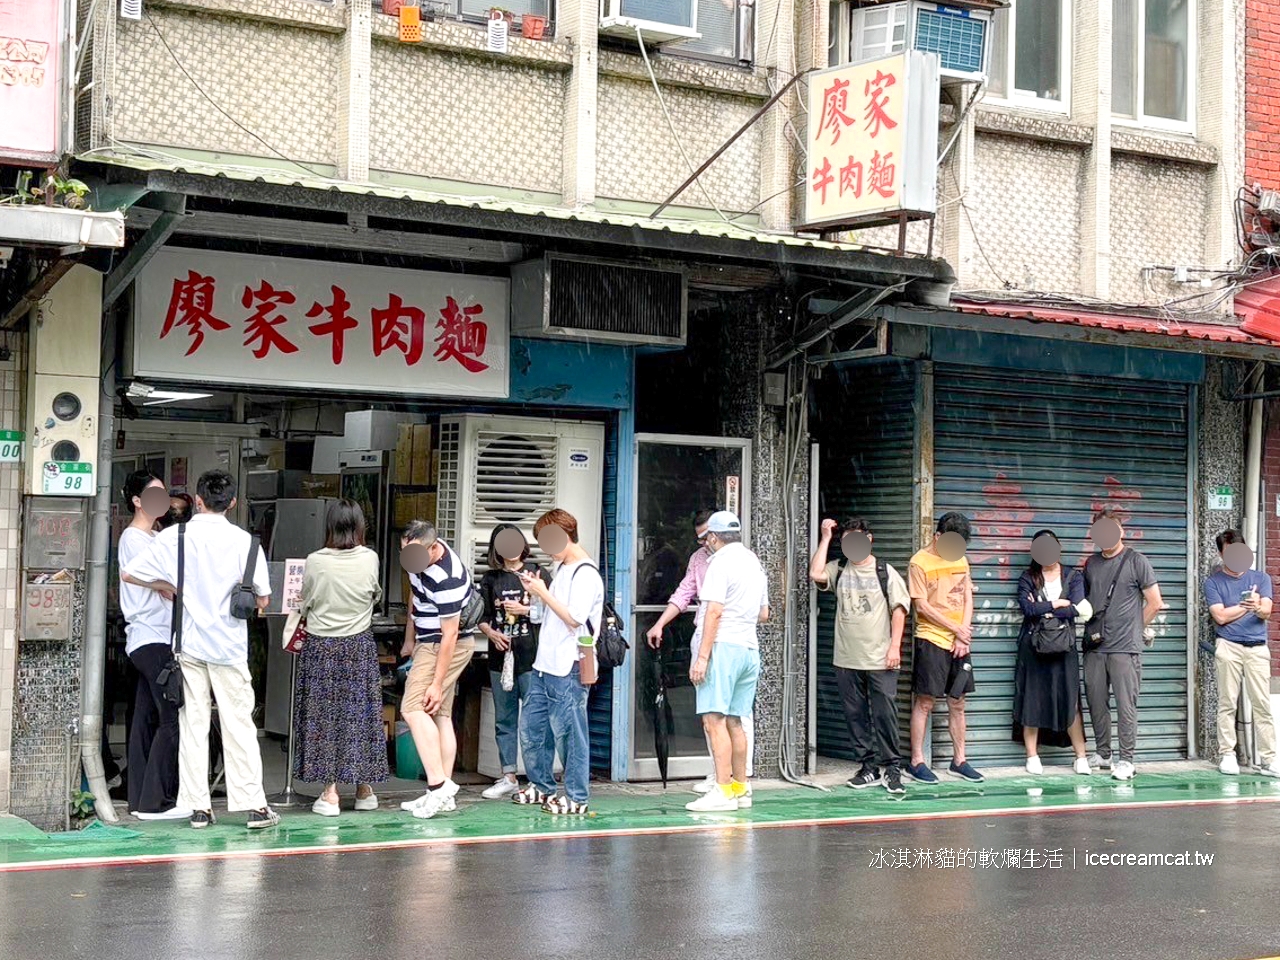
530,796
564,807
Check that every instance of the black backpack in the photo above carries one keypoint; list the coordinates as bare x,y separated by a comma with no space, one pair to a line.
611,645
882,574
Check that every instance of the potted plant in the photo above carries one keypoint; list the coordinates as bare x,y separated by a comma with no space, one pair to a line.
501,13
533,26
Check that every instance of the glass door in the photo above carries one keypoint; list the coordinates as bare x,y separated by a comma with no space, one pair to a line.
676,477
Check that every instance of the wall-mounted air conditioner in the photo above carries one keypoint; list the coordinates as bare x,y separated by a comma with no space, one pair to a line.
959,35
513,470
658,21
561,297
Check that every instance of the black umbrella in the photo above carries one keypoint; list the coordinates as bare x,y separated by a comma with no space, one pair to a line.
663,722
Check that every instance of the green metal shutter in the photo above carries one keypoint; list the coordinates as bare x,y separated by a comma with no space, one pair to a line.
1017,452
865,423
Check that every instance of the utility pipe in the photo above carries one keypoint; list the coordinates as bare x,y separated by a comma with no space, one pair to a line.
94,646
1252,533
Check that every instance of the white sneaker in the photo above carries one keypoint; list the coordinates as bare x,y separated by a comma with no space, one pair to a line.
1123,771
325,808
1271,771
747,799
713,801
175,813
447,792
433,804
1034,766
502,787
408,806
1082,766
707,785
367,803
450,804
1099,762
1229,765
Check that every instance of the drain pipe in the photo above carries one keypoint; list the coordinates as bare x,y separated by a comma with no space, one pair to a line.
94,646
1252,532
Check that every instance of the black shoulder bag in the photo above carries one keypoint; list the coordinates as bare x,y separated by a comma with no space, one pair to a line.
169,679
244,602
1093,629
611,645
1052,635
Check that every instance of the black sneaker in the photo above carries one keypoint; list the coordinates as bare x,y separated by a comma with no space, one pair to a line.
867,777
261,819
202,818
893,781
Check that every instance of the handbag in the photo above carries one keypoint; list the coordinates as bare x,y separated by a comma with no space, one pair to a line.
244,602
1051,635
295,633
1093,629
611,645
169,679
472,612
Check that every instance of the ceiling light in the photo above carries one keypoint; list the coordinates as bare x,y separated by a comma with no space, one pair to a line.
159,397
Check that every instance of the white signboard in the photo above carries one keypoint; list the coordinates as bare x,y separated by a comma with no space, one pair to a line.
293,572
873,140
67,479
1222,498
210,316
11,445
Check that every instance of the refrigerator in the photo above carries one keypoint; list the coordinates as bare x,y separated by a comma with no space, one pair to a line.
366,479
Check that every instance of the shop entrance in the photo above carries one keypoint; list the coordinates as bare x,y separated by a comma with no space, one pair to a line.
676,477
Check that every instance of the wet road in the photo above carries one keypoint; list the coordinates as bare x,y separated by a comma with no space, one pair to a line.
777,894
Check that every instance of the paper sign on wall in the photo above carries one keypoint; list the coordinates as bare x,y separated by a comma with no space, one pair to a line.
731,494
293,573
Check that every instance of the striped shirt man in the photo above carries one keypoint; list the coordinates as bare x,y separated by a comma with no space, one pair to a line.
439,593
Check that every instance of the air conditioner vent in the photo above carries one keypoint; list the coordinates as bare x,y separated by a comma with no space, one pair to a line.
515,478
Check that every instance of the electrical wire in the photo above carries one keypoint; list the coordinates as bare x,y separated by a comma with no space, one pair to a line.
212,102
662,102
960,194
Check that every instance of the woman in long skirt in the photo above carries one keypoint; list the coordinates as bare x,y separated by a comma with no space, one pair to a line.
1046,689
338,731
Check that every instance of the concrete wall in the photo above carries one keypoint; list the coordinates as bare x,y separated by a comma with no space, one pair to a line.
13,379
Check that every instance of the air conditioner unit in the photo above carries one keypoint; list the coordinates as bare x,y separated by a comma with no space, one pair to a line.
513,470
562,297
657,21
959,35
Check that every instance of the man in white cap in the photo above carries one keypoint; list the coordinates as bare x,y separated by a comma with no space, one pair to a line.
735,593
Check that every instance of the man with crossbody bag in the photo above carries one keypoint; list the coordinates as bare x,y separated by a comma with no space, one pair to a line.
1121,586
871,614
220,566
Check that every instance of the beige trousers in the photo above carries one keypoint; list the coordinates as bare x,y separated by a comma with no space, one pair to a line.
1249,667
232,687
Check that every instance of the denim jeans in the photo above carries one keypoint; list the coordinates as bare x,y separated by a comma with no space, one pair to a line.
506,717
555,718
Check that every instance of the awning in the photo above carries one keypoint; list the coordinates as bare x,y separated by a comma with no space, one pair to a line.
664,236
1226,339
40,226
1258,308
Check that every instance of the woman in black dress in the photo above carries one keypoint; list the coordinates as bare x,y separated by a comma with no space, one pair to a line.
1046,693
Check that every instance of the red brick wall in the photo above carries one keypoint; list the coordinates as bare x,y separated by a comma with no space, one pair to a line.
1270,522
1262,94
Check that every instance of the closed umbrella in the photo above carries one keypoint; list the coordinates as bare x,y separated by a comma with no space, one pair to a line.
663,721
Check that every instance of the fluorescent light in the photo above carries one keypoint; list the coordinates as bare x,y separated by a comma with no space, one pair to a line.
160,397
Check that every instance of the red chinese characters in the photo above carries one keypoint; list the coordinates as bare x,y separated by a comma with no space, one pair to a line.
835,106
462,336
400,328
191,306
264,326
877,103
339,322
856,175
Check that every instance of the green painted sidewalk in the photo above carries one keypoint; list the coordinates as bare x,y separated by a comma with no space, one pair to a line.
616,809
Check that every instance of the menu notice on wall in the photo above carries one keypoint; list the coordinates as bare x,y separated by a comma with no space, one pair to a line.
293,573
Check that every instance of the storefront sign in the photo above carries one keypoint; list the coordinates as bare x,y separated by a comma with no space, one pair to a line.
46,612
217,317
67,479
731,493
11,446
31,79
1222,498
293,573
873,140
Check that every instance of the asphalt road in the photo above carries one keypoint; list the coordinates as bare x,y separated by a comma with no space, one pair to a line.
776,894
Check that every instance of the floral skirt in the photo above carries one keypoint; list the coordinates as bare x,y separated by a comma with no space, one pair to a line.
338,731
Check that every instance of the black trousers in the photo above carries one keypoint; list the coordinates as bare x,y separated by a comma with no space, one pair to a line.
153,737
869,698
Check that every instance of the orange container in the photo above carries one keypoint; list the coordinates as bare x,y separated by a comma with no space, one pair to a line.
410,25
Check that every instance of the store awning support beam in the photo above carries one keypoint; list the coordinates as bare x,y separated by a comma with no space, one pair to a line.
140,255
37,291
855,308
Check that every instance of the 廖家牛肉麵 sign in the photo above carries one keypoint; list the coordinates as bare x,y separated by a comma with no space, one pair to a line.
872,140
210,316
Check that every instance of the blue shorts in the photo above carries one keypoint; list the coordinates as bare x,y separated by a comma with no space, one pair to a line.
730,685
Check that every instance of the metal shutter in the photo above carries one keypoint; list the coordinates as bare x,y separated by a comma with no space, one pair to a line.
1017,452
866,422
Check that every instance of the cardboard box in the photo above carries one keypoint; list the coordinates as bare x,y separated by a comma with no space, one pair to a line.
405,510
315,486
421,473
427,506
433,477
404,455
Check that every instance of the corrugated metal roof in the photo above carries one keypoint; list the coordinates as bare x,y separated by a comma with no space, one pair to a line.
1258,307
704,228
1120,322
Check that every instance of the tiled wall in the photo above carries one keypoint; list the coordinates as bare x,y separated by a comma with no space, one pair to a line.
12,388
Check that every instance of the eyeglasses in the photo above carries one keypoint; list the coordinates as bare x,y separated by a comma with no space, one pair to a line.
703,537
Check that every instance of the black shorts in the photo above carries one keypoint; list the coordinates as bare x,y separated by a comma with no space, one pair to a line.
933,670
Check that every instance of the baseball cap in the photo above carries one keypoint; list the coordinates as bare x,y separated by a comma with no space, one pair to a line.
724,521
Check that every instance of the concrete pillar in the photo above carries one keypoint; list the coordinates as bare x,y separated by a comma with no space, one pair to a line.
579,20
354,75
1091,105
781,137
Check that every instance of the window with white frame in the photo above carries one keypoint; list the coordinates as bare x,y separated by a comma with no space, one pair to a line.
721,24
1030,53
1152,61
